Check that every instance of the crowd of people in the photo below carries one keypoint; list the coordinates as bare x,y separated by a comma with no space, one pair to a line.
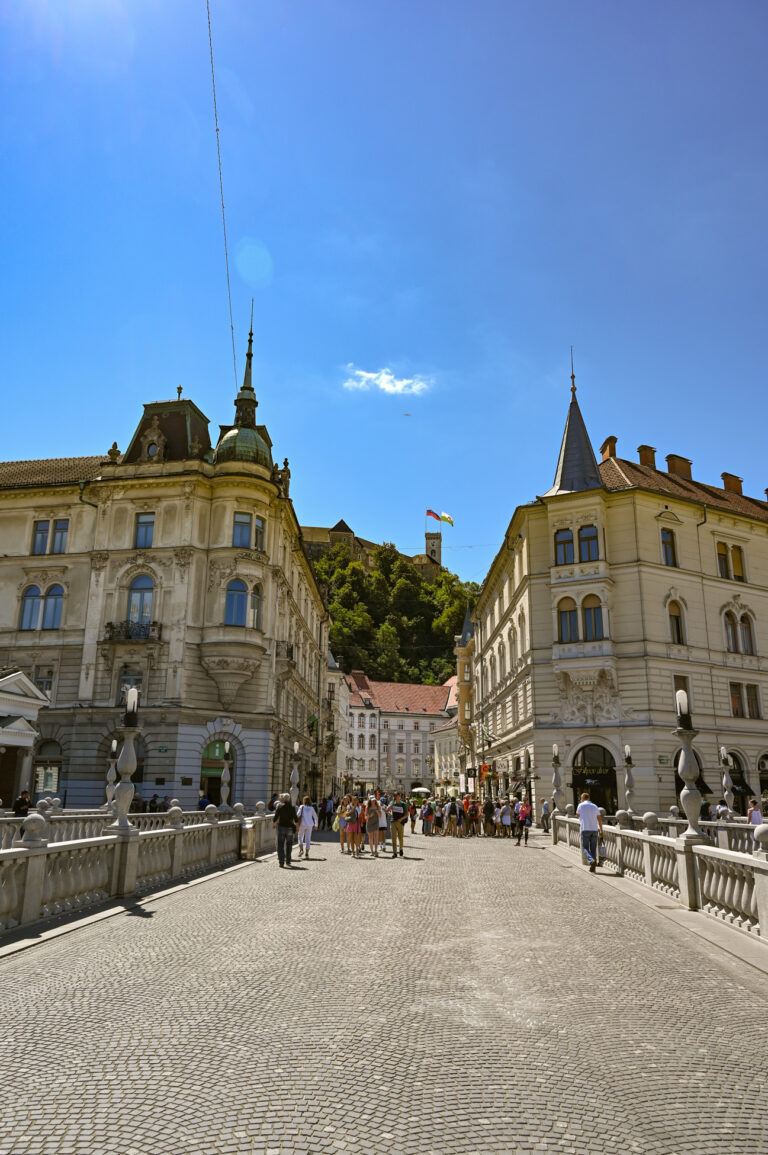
376,825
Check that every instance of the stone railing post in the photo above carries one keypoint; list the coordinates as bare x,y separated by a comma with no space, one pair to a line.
173,819
111,776
212,818
34,840
760,855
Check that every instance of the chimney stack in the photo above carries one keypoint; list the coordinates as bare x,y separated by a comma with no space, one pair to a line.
731,483
680,466
608,448
647,455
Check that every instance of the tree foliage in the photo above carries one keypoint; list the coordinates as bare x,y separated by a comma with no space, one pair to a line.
389,621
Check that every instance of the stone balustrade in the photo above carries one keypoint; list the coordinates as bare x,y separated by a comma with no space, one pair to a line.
728,884
725,835
42,876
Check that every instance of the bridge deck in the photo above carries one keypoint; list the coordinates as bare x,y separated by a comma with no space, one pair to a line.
470,997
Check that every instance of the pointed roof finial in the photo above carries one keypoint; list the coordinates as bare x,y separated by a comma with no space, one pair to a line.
573,376
247,378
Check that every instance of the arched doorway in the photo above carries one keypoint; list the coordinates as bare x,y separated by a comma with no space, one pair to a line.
594,771
211,766
47,769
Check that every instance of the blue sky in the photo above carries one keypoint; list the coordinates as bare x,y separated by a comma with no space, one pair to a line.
440,196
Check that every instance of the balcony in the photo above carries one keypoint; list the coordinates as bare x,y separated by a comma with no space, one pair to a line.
132,632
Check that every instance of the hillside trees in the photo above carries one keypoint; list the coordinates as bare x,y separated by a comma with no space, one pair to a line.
389,621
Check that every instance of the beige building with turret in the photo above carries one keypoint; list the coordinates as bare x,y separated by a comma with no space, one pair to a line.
176,567
617,587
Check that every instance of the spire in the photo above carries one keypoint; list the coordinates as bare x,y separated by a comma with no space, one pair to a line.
245,402
576,466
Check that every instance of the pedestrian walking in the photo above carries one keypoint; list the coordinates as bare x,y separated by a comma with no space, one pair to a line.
453,817
506,820
523,816
413,813
398,813
590,824
427,814
372,826
285,821
308,821
382,800
340,822
352,816
545,816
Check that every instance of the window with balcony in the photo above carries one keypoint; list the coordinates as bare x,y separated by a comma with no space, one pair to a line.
52,607
567,621
60,531
588,550
241,531
564,547
236,604
145,530
676,630
592,612
668,547
31,602
40,537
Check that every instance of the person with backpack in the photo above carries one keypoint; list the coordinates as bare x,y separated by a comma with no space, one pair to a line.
308,821
453,817
398,813
413,814
490,828
473,813
523,814
427,814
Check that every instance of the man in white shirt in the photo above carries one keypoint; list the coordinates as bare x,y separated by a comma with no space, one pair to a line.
590,824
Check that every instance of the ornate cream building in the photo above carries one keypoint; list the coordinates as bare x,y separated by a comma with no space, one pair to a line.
620,585
176,567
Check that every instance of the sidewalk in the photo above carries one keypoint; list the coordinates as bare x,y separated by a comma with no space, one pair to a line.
472,996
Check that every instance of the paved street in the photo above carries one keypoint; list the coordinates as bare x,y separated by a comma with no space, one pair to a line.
471,997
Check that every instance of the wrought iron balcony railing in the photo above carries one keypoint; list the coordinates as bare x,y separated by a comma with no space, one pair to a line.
132,631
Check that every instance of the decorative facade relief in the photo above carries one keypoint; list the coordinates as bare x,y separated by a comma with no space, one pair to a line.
587,697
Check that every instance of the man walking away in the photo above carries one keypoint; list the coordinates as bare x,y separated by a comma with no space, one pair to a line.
590,824
490,826
545,816
453,817
285,821
398,813
307,823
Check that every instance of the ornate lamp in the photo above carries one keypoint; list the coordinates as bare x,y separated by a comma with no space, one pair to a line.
725,762
629,781
688,767
557,782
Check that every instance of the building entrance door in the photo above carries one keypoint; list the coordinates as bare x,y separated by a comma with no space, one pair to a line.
8,776
211,767
594,772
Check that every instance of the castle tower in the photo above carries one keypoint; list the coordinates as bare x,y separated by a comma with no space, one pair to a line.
433,547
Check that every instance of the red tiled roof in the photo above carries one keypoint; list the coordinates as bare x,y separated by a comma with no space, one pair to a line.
618,473
50,471
399,697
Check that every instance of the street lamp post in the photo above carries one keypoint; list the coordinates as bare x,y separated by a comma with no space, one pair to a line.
295,775
629,781
725,762
688,767
226,777
557,782
111,776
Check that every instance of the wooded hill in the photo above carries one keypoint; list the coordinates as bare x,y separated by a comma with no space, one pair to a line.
389,621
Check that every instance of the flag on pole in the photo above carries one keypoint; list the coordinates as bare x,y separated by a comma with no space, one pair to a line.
446,517
431,513
489,737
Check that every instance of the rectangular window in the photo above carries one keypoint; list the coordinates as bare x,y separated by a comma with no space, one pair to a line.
569,625
241,531
593,624
668,548
737,564
466,671
400,747
431,725
59,543
753,702
385,748
416,748
145,530
681,683
400,725
44,678
737,700
415,725
258,533
126,681
40,539
722,560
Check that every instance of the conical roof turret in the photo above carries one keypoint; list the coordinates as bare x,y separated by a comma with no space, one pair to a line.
243,442
576,466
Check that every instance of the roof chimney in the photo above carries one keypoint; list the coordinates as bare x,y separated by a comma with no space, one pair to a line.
608,448
731,483
647,455
680,466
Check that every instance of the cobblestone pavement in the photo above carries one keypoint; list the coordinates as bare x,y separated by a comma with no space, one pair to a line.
470,997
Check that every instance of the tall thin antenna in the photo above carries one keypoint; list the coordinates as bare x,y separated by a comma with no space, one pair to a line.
221,190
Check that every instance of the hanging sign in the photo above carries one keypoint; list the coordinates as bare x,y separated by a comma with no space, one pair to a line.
462,783
471,785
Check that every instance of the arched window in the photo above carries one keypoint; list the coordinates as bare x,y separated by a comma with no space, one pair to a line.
746,634
492,668
47,768
762,770
563,547
30,608
372,722
567,621
257,602
372,742
731,639
521,628
361,741
512,648
502,662
588,550
668,547
140,604
236,603
676,631
54,600
593,618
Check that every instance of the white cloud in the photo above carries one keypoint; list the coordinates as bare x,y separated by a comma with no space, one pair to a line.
386,381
